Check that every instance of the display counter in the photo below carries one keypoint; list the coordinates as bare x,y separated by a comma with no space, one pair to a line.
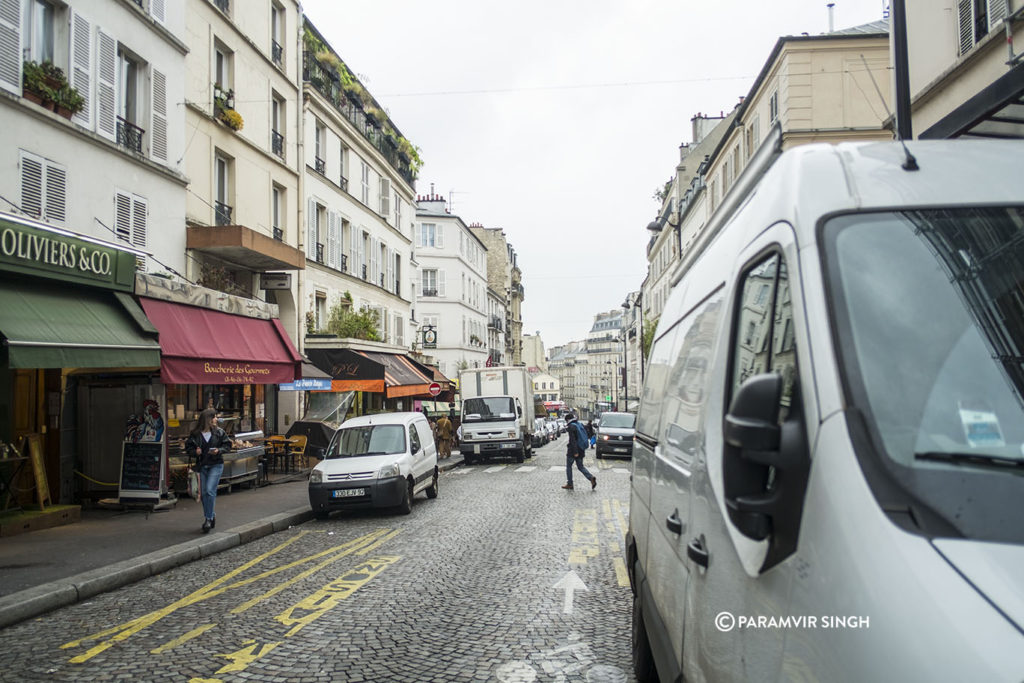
243,464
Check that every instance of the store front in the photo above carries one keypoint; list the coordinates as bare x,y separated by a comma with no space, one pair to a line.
383,381
68,320
231,363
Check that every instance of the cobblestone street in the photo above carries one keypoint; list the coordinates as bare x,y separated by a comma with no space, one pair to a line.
504,577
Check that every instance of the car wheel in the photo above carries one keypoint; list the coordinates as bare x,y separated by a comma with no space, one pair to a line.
432,489
521,456
405,507
643,659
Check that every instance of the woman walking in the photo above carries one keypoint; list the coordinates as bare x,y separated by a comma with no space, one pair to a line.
208,443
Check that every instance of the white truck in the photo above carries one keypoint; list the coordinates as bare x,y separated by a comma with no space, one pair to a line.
497,414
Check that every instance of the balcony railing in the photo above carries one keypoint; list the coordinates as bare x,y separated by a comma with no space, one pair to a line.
326,82
344,184
344,263
319,252
382,279
320,165
398,288
222,5
222,213
279,234
496,323
429,292
276,52
277,143
364,271
129,135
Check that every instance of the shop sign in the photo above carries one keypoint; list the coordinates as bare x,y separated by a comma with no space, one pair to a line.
429,337
275,280
320,384
32,250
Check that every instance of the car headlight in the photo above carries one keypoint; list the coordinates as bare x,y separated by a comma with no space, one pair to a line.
316,477
388,471
605,437
511,434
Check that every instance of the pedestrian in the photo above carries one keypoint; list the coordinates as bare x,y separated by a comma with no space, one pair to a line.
444,431
208,443
574,451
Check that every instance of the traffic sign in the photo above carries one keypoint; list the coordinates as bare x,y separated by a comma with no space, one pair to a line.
434,389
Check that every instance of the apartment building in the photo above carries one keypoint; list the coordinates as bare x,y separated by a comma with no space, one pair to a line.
497,311
504,275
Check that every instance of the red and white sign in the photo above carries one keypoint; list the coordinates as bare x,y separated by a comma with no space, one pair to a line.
434,389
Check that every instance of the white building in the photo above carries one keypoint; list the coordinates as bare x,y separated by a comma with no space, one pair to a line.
533,353
359,210
112,171
604,362
496,314
452,296
546,387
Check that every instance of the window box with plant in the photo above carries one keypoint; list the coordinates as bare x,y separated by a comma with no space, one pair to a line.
46,85
224,108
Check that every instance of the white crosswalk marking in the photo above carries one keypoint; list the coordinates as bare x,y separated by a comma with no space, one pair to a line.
526,468
496,468
556,468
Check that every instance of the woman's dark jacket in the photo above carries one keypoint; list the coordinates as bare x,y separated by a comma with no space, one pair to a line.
218,439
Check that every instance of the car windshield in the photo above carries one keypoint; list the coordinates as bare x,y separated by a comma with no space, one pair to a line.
930,321
354,442
488,409
618,420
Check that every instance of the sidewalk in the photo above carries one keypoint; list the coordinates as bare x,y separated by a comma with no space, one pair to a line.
50,568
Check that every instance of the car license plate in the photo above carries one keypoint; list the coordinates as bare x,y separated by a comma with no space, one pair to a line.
510,445
348,493
620,450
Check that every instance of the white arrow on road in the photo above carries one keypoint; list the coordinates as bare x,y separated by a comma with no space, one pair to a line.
570,582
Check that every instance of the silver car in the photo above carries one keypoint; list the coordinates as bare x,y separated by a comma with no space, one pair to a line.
615,435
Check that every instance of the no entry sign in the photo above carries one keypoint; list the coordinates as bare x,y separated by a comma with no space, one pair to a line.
435,389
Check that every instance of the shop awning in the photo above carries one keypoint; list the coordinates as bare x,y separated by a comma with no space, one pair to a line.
202,346
392,374
47,326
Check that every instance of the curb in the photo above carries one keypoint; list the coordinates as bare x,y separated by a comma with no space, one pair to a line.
37,600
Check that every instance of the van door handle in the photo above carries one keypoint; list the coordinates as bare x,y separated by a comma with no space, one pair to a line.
674,524
695,551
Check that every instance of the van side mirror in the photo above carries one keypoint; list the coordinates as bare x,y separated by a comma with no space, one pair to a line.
519,411
765,465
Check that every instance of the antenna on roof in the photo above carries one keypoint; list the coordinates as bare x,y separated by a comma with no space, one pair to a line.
909,163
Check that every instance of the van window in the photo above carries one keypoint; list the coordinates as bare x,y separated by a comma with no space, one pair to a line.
930,323
659,363
414,440
765,342
687,386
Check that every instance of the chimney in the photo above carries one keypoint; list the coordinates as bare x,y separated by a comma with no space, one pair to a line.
831,17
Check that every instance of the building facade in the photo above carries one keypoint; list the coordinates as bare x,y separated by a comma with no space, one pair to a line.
497,309
533,352
504,275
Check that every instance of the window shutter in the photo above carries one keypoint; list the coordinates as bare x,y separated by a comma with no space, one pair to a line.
10,46
140,214
375,260
56,193
32,185
106,85
440,237
311,230
965,24
416,238
440,283
385,197
81,66
123,216
158,146
996,13
353,250
156,9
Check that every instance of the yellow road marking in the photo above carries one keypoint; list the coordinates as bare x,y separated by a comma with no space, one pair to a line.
620,572
585,542
130,628
318,603
171,644
240,659
373,546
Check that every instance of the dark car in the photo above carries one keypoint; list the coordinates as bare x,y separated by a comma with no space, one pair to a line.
615,435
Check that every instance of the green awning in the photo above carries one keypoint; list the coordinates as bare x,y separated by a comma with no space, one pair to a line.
46,326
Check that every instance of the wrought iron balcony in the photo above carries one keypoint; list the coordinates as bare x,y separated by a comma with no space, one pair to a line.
222,5
398,288
129,135
279,234
320,165
382,279
319,252
496,323
364,271
277,143
344,263
222,213
429,292
344,184
276,53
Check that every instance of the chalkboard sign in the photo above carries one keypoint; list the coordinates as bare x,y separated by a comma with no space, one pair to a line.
141,464
34,446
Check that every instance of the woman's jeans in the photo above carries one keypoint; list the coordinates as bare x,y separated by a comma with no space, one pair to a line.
209,478
569,460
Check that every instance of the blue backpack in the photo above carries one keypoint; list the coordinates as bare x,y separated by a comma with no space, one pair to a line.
582,440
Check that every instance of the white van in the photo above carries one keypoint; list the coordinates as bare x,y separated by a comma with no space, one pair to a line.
379,461
828,469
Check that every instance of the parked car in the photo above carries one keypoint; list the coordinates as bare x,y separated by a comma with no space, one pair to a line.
615,435
552,429
828,453
540,435
562,425
379,461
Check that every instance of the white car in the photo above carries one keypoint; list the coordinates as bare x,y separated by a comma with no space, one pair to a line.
378,461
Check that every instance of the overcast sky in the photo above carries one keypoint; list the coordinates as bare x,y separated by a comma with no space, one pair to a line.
557,120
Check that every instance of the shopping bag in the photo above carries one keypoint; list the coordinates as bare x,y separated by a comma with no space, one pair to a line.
194,490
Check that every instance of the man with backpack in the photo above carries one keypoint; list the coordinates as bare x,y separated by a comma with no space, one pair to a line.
577,446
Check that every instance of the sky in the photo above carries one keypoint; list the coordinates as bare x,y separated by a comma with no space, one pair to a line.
557,120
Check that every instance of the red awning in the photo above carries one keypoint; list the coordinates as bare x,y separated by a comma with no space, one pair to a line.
202,346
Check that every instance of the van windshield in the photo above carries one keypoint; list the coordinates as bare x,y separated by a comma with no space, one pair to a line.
490,409
354,442
930,322
618,420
